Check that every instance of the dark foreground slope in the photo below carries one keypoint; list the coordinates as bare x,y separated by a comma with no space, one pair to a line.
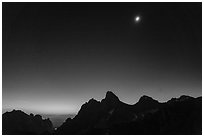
17,122
111,116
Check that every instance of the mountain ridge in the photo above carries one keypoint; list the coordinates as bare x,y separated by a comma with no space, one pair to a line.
18,122
182,115
104,117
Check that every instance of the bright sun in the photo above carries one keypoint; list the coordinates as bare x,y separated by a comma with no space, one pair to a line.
137,18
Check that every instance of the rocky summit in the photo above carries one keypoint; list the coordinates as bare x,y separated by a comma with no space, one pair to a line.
179,116
110,116
17,122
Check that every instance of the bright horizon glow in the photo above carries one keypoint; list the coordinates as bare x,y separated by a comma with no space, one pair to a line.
71,107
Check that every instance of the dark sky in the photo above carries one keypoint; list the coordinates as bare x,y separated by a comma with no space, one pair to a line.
56,56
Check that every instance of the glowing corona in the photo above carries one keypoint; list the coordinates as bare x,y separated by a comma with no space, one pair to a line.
137,19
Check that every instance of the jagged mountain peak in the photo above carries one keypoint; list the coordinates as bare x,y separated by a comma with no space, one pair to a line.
93,101
104,117
16,113
146,98
180,99
89,106
184,97
18,122
111,96
110,101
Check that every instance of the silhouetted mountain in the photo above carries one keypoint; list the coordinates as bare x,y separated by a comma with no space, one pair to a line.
17,122
111,116
111,99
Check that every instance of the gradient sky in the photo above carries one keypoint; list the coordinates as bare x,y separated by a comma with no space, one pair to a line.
57,56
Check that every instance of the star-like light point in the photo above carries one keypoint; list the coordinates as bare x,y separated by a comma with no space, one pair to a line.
137,18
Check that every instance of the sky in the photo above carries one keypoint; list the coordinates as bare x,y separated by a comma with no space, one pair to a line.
57,56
